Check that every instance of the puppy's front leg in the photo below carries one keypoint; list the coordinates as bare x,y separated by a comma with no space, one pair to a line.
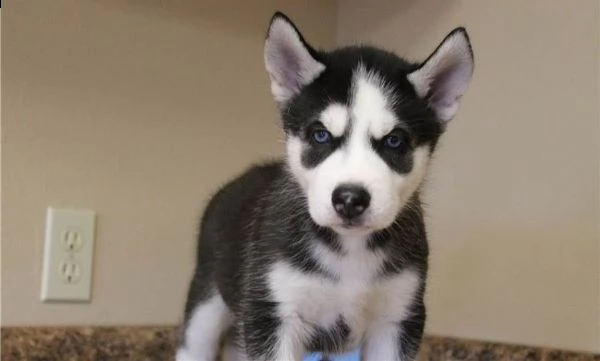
395,341
268,337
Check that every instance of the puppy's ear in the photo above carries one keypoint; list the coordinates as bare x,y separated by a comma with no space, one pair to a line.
443,78
290,61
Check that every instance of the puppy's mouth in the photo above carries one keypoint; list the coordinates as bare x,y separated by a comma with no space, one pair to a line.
352,223
353,226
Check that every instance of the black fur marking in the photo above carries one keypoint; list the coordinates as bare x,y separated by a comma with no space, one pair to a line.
314,154
260,329
378,240
411,329
329,238
329,340
404,242
400,159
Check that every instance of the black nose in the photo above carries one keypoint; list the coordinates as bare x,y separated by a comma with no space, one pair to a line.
350,201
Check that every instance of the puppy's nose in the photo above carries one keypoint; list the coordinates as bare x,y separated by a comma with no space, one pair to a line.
350,201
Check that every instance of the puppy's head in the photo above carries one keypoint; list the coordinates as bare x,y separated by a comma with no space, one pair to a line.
361,123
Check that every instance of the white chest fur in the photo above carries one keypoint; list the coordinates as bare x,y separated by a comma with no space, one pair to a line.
354,293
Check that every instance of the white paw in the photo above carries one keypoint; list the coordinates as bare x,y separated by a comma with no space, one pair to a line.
184,354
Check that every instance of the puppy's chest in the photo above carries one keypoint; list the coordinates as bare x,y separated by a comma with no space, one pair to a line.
354,295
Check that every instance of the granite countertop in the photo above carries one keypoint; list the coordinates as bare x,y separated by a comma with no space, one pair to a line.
157,343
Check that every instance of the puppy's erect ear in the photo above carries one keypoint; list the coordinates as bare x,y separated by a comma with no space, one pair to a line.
443,78
289,60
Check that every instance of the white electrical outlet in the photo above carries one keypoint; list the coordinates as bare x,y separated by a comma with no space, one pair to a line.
68,255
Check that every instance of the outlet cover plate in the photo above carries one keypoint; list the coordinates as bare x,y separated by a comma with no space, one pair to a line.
68,255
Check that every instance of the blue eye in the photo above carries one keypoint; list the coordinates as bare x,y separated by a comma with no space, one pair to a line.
393,141
321,136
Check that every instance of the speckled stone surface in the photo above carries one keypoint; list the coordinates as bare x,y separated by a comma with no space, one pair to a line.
157,343
88,344
449,349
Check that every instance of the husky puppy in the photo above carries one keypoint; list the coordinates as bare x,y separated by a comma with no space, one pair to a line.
326,250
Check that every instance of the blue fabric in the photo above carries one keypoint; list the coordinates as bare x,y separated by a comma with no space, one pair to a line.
350,356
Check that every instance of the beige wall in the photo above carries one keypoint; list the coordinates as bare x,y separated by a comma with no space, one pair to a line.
514,197
137,109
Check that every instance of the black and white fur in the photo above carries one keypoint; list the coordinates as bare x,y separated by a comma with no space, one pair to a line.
326,251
